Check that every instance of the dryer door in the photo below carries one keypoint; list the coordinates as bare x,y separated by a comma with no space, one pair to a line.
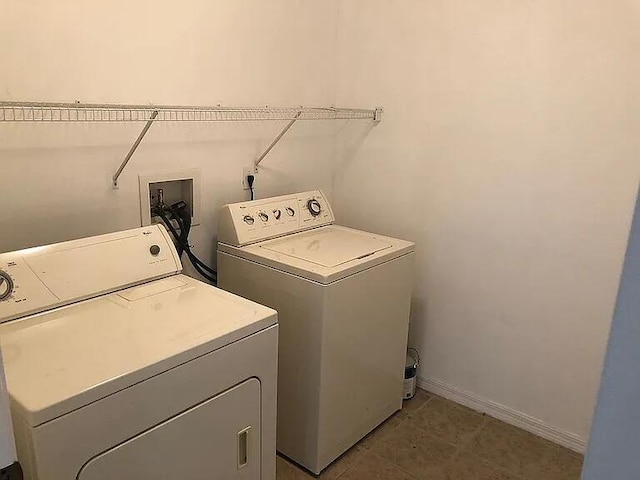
218,439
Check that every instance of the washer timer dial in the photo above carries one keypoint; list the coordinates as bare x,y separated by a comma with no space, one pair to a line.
314,207
6,285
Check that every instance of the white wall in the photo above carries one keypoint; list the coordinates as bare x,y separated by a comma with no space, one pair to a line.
613,446
55,179
509,153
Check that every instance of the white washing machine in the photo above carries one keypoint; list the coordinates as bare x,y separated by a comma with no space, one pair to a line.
120,367
342,297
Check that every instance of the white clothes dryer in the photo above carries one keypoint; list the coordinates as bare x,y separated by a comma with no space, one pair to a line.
343,299
120,367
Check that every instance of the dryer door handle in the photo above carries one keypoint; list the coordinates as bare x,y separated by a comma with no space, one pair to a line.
243,447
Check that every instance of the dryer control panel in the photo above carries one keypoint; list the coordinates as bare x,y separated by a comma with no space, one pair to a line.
249,222
41,278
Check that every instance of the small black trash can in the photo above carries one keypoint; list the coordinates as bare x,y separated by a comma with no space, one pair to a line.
410,372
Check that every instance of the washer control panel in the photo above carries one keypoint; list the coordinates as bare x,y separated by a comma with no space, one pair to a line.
249,222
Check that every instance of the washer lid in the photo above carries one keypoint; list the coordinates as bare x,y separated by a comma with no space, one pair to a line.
325,254
61,360
328,247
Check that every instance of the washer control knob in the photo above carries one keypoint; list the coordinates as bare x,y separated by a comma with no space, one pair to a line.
277,213
6,285
154,250
263,216
314,207
290,211
248,219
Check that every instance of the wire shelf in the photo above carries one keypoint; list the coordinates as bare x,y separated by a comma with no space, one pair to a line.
81,112
78,112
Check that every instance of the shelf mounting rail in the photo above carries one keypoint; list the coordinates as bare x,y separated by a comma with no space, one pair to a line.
85,112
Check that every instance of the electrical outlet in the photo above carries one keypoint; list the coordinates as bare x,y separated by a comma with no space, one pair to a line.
248,170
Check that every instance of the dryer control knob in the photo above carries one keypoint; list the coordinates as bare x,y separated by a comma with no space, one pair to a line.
248,219
314,207
6,285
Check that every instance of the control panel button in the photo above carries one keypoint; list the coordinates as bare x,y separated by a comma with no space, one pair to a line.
6,285
154,250
277,213
314,207
290,211
248,219
263,216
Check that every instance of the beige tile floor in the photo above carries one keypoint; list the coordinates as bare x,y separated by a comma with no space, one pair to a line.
435,439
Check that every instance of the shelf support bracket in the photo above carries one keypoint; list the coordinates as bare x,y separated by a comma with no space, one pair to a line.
133,149
377,115
277,139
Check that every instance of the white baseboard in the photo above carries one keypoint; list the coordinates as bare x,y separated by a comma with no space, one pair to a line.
506,414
